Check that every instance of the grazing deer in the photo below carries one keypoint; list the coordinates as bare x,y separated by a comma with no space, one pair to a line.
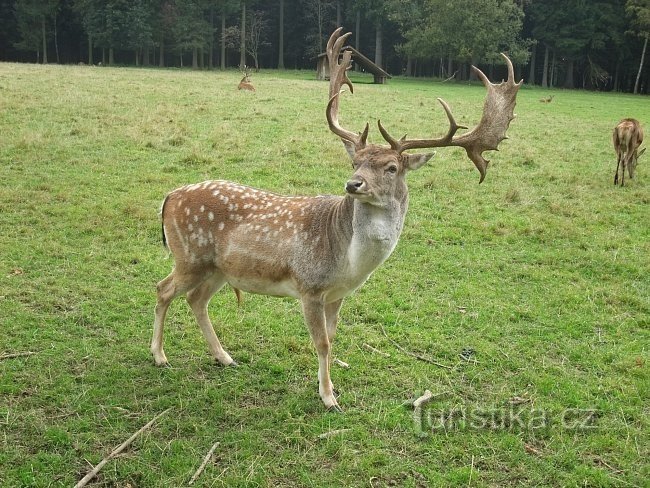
627,137
245,83
547,99
316,249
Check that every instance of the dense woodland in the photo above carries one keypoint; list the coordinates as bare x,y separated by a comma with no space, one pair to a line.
591,44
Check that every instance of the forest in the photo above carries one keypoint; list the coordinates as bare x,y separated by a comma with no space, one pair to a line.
586,44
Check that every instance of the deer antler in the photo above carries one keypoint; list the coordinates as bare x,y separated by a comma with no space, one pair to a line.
491,130
338,78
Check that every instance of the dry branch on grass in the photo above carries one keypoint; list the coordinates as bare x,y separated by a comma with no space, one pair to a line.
375,350
206,459
11,355
116,451
412,354
331,433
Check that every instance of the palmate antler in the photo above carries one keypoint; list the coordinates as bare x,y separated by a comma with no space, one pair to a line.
491,130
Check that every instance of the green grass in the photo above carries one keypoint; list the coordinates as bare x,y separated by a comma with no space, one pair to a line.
540,274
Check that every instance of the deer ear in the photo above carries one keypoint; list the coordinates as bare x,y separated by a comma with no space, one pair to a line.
350,148
416,161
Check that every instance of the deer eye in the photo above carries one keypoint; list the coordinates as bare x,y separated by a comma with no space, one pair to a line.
392,169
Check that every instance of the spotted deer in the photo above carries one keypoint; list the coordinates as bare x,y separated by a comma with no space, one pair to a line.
627,137
245,83
318,249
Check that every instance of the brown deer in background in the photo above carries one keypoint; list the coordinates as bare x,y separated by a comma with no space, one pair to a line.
316,249
245,83
627,137
547,99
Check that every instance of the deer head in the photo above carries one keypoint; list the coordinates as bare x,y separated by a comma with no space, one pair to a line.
491,130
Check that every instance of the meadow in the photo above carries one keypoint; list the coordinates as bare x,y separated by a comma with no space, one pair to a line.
530,291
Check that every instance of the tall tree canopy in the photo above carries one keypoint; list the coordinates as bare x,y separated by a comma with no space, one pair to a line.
593,44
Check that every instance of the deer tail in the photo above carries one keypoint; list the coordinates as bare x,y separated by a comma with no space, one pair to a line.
162,221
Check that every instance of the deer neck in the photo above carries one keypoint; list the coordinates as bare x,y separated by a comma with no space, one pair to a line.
371,234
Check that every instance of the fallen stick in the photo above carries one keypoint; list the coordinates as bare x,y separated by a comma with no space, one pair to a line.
343,364
412,354
117,450
331,433
206,459
11,355
426,397
376,351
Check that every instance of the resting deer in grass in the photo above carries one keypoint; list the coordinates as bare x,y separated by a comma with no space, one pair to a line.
245,83
316,249
547,99
627,137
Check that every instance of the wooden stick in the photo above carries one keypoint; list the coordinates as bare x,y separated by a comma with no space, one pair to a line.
376,351
331,433
11,355
117,450
471,471
343,364
206,459
425,398
412,354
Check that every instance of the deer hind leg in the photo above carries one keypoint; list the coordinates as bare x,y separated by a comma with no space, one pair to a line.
331,318
198,300
314,311
175,284
619,160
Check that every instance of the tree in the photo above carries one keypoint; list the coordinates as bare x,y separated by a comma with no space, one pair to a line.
256,35
281,37
32,17
639,11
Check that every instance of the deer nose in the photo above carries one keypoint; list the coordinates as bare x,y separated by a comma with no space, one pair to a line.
353,186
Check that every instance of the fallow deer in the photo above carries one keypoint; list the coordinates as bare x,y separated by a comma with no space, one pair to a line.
316,249
245,83
627,137
547,99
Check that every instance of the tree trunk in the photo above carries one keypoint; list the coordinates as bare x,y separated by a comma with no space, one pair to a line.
531,76
339,18
409,66
111,56
145,56
568,81
90,50
242,39
211,43
357,31
195,58
378,45
472,73
137,57
545,71
281,40
161,53
44,40
56,41
553,70
223,39
638,75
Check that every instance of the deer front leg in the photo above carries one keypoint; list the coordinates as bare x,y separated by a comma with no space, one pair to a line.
331,318
314,311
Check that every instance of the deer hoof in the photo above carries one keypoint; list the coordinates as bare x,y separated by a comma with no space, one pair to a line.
334,409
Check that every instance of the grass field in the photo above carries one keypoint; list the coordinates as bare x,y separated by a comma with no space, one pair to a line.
532,289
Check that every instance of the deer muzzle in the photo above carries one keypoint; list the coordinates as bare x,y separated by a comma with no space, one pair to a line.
355,185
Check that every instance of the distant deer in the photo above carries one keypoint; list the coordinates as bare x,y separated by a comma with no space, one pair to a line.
316,249
627,137
547,99
245,83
